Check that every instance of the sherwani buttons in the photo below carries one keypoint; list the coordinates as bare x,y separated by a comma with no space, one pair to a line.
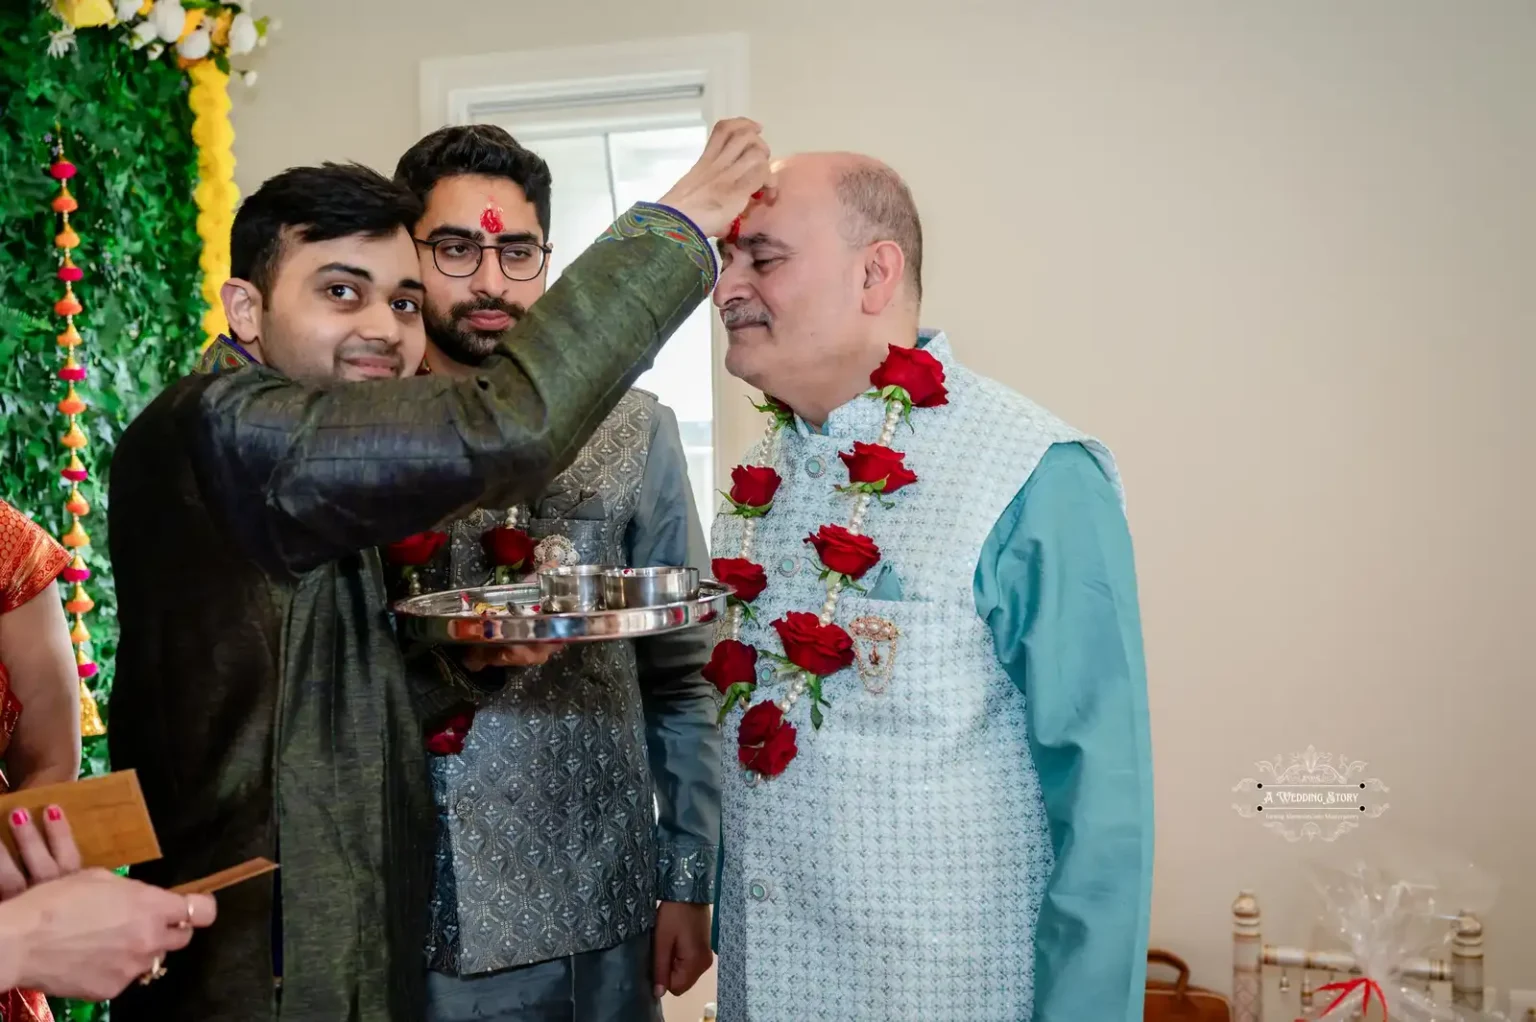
758,891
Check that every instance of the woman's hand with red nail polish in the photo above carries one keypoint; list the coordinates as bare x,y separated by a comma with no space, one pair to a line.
45,855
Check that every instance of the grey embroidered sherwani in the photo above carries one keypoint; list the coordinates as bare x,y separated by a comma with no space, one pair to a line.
260,692
587,788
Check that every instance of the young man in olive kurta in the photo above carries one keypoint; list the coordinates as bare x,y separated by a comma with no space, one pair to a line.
260,693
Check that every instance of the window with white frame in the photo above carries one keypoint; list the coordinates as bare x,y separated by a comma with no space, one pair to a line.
617,126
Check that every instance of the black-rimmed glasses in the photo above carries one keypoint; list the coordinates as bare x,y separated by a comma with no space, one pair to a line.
458,257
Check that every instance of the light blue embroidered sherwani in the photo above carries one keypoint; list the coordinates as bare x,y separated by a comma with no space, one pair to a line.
974,841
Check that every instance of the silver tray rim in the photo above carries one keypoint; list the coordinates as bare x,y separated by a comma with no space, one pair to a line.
572,626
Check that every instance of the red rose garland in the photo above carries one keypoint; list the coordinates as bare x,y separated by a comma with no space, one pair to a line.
747,579
413,552
917,374
844,553
766,742
876,470
820,649
752,490
731,663
509,550
448,740
814,646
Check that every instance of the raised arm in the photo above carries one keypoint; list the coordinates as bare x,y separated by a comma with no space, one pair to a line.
305,474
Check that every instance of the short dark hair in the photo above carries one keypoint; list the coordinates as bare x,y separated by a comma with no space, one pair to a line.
880,207
476,149
316,204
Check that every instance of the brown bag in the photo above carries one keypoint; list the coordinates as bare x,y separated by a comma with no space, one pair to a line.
1178,1001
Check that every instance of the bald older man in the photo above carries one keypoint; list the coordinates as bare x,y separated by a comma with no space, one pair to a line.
938,699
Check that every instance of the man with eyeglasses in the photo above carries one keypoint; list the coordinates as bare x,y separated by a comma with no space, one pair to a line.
578,789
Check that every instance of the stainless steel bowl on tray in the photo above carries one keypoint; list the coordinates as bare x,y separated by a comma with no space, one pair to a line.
648,587
498,615
572,587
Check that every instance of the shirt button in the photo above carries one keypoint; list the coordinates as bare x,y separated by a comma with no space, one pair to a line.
758,891
814,467
789,565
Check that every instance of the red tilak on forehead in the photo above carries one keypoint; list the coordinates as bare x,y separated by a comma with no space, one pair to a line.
735,231
490,219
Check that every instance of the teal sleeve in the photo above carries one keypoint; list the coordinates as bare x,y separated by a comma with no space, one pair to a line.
1056,584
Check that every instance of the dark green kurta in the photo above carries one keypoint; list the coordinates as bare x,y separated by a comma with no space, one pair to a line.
260,694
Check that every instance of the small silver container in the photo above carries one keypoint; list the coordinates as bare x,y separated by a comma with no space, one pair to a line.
571,588
648,587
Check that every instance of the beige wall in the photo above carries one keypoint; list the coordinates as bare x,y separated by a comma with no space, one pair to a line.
1276,254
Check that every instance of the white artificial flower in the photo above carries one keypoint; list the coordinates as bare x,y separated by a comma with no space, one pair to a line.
156,50
197,45
249,78
242,35
144,33
169,18
126,9
61,41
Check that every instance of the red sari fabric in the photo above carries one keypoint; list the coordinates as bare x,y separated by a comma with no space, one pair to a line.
30,560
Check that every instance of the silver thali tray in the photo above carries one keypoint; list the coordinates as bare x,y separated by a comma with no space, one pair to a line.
497,615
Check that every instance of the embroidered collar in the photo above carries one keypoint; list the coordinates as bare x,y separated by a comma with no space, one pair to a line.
224,355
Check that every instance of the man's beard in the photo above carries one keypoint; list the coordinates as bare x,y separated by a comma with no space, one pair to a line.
467,345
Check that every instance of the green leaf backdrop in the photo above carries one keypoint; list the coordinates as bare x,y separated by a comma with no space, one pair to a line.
126,125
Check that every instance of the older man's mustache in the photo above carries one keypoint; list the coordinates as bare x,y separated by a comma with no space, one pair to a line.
737,316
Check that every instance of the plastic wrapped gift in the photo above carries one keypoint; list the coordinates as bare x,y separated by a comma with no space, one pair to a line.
1393,913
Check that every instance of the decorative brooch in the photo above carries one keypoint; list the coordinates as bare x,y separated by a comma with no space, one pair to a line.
554,552
874,648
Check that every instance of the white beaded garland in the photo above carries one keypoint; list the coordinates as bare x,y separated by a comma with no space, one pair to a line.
767,449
